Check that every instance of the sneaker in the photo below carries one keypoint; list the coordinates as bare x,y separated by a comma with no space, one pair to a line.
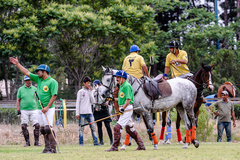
97,144
101,143
80,144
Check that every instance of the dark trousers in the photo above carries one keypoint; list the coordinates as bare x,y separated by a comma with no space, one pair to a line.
100,132
221,126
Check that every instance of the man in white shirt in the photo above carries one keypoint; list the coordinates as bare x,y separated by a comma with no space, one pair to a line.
84,102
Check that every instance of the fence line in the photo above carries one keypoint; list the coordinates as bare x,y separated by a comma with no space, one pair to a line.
71,103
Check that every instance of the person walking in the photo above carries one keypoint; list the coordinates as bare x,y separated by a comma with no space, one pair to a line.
125,100
26,108
84,103
102,111
47,89
224,111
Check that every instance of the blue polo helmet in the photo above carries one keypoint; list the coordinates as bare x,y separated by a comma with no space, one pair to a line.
121,73
26,78
134,48
43,67
96,82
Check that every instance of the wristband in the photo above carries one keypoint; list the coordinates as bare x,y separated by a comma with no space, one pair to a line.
165,75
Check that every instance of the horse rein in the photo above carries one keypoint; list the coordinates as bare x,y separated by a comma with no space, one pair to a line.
203,85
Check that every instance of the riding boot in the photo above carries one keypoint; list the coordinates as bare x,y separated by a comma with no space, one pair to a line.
36,134
52,142
117,137
133,133
46,140
25,134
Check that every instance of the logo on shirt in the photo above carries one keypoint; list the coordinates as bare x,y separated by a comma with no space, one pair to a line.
45,88
122,95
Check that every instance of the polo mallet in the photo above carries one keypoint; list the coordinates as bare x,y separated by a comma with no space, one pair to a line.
48,123
151,63
107,117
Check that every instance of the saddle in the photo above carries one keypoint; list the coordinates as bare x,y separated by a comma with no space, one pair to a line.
156,88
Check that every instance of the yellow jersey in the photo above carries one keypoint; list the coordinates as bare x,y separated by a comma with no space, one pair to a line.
132,65
182,55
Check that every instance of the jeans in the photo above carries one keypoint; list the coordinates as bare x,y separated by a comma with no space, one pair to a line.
221,126
89,118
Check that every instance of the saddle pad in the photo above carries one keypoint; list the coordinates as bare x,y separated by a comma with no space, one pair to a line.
165,89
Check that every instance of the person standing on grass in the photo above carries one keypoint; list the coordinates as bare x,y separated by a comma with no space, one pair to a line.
125,101
85,100
102,111
224,111
47,89
26,107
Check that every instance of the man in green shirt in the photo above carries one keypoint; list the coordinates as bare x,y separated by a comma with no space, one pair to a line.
125,101
225,110
26,107
47,89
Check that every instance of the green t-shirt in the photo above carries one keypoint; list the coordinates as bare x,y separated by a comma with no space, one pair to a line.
224,110
125,92
45,89
26,96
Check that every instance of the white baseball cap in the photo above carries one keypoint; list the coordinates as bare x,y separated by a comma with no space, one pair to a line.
225,92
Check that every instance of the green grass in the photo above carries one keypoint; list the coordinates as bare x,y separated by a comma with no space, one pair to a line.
214,150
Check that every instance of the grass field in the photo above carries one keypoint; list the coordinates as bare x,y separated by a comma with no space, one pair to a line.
209,150
11,146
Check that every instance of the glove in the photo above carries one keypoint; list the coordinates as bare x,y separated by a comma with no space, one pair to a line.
110,99
18,113
121,111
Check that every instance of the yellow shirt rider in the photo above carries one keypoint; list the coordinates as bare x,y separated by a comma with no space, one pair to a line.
134,64
177,60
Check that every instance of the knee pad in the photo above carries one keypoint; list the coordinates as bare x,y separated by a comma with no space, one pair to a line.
42,130
47,130
24,126
37,126
117,128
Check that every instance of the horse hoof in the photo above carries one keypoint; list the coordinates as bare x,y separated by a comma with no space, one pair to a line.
167,142
185,146
123,148
181,142
160,142
155,147
195,143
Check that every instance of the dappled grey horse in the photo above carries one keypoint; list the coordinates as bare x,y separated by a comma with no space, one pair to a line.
183,98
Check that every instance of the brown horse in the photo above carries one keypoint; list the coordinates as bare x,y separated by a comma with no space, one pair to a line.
202,79
229,87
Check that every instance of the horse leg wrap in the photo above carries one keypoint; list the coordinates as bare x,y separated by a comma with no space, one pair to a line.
154,137
127,138
193,133
188,136
169,133
179,135
162,133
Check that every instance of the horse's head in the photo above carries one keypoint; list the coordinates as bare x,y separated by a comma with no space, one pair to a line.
97,93
108,81
207,77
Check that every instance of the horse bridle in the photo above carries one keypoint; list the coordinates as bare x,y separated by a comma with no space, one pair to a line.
131,81
204,84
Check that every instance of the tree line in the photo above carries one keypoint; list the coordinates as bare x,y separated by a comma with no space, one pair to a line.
75,38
